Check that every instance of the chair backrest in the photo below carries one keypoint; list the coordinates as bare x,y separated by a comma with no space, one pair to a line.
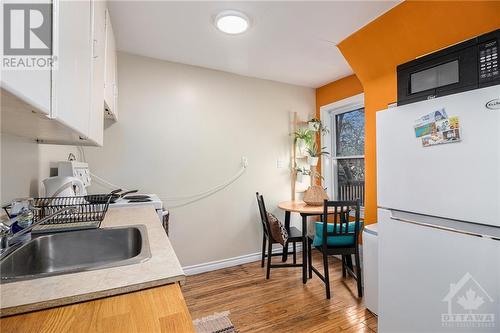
263,214
352,190
341,212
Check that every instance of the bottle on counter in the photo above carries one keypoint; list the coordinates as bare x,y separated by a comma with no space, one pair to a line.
21,211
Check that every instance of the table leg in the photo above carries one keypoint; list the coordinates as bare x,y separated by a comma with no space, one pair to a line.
304,248
287,227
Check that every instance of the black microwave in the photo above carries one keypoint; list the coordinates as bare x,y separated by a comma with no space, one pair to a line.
465,66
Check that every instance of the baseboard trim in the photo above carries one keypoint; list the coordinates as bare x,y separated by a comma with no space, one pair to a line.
229,262
235,261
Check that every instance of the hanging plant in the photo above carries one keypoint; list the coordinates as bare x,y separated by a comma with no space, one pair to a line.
314,151
317,126
304,134
302,139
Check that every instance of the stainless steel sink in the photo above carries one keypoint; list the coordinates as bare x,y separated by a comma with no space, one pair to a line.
75,251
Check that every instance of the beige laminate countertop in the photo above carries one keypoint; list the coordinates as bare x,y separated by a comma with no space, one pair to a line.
162,268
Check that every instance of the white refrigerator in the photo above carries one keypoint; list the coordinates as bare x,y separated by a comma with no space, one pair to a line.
439,215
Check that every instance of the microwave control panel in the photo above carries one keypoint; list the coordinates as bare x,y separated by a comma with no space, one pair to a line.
488,61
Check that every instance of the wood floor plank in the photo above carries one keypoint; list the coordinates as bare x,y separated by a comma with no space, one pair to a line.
282,303
159,309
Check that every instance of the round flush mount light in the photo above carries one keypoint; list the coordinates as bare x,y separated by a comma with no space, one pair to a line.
232,22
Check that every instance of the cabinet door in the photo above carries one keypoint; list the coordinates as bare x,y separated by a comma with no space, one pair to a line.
72,77
115,87
31,86
110,69
96,127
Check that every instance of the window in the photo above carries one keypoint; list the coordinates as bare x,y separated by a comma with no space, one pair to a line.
348,158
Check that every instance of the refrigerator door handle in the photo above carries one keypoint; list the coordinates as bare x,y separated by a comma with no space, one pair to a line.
429,225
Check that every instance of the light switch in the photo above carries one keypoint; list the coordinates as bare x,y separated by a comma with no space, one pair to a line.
280,164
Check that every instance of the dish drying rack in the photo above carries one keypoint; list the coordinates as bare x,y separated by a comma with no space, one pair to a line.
87,215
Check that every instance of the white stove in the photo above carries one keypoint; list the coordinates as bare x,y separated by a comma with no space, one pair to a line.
155,202
80,170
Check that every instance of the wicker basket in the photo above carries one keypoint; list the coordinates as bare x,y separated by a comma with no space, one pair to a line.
315,196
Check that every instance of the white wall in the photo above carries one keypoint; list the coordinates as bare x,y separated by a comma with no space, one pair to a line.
24,164
19,173
183,129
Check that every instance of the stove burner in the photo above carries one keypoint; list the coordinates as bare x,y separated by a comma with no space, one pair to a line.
137,197
140,200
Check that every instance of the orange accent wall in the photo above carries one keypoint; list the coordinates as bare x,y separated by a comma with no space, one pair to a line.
336,91
409,30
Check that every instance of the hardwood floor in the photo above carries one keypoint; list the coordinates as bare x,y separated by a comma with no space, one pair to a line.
282,303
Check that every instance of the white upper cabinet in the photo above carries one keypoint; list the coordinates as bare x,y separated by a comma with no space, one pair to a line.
71,79
96,126
30,86
110,83
66,104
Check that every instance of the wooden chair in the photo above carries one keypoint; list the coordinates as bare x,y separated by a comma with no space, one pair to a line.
338,237
294,236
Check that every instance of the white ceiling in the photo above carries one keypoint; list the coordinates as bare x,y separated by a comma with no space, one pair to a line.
292,42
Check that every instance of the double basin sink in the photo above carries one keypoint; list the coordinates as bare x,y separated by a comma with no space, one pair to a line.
76,251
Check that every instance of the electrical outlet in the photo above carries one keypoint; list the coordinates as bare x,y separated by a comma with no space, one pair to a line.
280,164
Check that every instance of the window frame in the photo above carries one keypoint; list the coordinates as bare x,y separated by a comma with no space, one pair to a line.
329,169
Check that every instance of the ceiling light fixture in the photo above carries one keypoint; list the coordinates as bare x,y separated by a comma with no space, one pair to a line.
232,22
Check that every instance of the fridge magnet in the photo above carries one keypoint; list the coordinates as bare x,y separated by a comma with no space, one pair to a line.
431,117
426,141
437,128
447,124
451,135
454,123
443,125
432,139
424,130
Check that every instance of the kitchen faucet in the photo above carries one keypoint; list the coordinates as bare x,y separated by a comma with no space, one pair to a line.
7,237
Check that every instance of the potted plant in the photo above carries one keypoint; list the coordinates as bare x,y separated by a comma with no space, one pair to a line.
316,125
314,153
303,138
304,176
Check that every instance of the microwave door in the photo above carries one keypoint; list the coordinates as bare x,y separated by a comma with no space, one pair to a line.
448,74
405,89
466,72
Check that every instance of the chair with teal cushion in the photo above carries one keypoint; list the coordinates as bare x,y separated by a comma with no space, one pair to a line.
337,234
334,240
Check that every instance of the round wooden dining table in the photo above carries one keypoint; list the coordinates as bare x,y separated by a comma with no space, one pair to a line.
305,210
